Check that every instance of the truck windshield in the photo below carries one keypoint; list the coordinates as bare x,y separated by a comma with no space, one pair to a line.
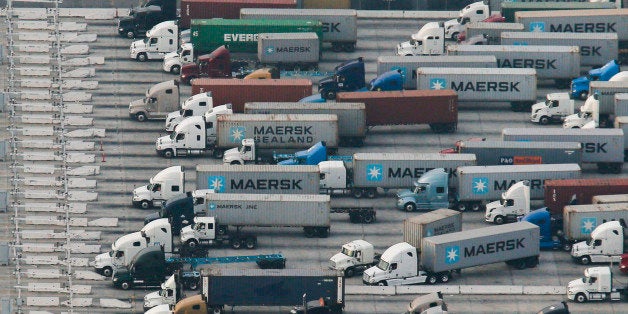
419,189
348,252
145,40
173,135
415,42
383,265
149,187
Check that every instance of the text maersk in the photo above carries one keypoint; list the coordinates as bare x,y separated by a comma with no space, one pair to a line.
266,184
583,28
275,134
292,49
538,64
503,185
494,247
485,86
414,172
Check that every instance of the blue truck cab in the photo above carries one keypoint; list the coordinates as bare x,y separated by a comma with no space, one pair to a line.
549,227
348,76
430,192
580,85
311,156
388,81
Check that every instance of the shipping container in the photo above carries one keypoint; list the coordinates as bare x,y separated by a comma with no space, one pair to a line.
351,116
258,179
610,199
238,92
480,246
602,146
439,109
340,27
560,63
437,222
621,123
289,50
596,49
324,4
401,170
226,9
408,64
495,5
621,105
580,220
489,153
577,21
493,31
483,183
242,35
606,91
560,193
480,85
508,9
266,210
271,287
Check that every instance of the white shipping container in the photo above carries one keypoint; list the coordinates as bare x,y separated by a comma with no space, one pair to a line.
621,104
289,50
437,222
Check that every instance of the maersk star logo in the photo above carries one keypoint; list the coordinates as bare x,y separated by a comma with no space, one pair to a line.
374,172
270,50
480,185
216,183
211,206
452,254
437,83
237,134
537,26
588,224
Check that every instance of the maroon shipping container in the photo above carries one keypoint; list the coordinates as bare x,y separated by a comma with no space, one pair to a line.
237,91
226,9
438,108
559,193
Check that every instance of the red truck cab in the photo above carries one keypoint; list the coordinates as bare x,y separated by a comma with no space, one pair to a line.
217,64
623,266
496,18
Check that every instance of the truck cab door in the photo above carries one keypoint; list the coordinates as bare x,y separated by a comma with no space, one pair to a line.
156,192
210,232
167,102
153,45
181,140
186,56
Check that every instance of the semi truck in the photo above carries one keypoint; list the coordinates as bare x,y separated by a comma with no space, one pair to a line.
560,193
599,106
372,171
438,109
340,27
122,251
312,156
514,204
595,48
196,105
557,63
161,99
510,9
163,38
596,285
481,85
408,64
354,258
269,133
439,256
473,12
239,92
351,116
226,9
600,146
250,287
554,109
580,85
166,184
142,19
475,185
604,241
489,153
551,229
429,40
486,33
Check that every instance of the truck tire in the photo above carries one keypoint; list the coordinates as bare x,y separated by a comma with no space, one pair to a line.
520,263
409,207
532,262
175,69
328,94
217,309
107,271
368,217
192,284
322,232
382,283
476,207
443,277
461,206
130,34
191,244
309,232
168,153
125,285
335,47
236,163
357,193
142,57
585,260
499,220
236,243
250,243
371,193
144,204
349,272
349,47
544,120
583,95
217,153
431,279
580,298
140,116
454,36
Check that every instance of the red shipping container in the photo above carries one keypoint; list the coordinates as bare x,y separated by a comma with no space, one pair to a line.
238,91
226,9
559,193
438,108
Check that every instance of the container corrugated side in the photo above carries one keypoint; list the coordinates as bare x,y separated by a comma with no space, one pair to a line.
522,153
226,9
437,222
621,105
302,49
508,9
559,193
580,220
610,199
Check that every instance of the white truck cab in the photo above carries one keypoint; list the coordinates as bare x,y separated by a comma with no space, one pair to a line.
160,309
240,155
555,108
429,40
605,246
122,251
159,232
202,231
398,266
159,100
355,256
473,12
596,285
428,304
167,183
167,295
174,60
589,112
515,203
333,176
160,40
196,105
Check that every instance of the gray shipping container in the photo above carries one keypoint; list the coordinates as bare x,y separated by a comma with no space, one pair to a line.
409,64
294,49
595,49
550,62
489,153
621,123
267,210
580,220
598,145
610,199
484,183
277,131
480,246
606,92
258,179
621,104
351,116
401,170
517,86
339,26
577,21
437,222
492,31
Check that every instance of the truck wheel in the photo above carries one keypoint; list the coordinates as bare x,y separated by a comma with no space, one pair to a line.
382,283
454,36
336,47
235,162
476,207
191,244
142,57
520,264
125,285
168,153
107,271
544,120
349,272
329,94
192,284
144,204
349,47
130,34
357,193
532,262
567,247
217,310
250,243
431,279
140,116
461,207
175,69
309,232
409,207
371,193
581,298
443,277
583,95
322,232
368,218
236,244
585,260
217,153
499,220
